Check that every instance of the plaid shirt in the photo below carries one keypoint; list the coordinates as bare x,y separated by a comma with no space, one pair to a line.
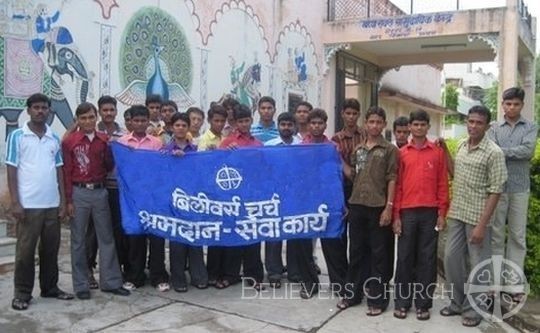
478,172
518,144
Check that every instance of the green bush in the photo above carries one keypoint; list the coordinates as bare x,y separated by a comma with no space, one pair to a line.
532,260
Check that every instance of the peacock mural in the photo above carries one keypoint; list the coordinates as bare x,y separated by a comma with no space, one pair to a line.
155,58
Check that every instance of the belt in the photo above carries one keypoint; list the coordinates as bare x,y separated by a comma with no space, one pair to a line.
89,186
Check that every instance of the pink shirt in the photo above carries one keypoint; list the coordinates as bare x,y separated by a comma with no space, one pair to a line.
148,142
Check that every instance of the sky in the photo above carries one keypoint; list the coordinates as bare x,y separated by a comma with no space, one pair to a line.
426,6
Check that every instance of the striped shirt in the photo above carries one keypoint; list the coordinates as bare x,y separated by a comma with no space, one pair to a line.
478,172
518,143
263,133
347,142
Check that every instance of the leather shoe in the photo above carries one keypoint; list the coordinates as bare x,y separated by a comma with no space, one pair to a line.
58,294
83,295
118,291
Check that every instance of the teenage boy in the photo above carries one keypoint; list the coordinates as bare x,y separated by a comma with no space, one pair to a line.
420,207
479,176
301,113
135,276
248,255
196,119
266,129
87,160
127,121
167,110
108,126
155,124
517,138
370,216
230,104
211,139
179,252
335,249
401,131
303,248
36,188
272,257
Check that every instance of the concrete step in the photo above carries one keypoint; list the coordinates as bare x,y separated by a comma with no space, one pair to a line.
7,264
3,228
7,246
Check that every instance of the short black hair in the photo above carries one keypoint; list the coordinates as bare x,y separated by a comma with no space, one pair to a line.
514,92
195,109
38,98
267,99
230,102
400,121
85,107
304,103
153,99
138,110
481,110
286,116
127,114
241,112
317,113
351,103
106,99
376,110
217,109
170,103
181,116
419,115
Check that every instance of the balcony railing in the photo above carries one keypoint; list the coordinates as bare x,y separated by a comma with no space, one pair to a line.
358,9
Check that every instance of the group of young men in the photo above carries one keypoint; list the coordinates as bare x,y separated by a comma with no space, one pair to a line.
399,188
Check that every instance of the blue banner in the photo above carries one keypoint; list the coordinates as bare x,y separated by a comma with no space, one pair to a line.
232,197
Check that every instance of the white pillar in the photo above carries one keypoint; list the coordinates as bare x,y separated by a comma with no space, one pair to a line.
527,75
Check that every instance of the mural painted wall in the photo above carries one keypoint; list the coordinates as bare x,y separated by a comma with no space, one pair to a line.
192,52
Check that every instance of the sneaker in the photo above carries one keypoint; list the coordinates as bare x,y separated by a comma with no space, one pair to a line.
129,286
164,286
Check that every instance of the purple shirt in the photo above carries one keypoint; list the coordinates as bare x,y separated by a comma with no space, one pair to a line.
172,147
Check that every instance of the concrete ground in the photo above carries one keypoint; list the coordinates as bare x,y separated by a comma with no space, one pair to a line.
235,309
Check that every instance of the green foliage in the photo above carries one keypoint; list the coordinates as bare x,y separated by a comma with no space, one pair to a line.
451,101
490,99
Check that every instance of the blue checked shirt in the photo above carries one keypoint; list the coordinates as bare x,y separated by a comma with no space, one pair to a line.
518,144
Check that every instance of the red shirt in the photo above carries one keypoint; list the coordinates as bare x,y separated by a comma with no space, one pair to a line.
85,161
422,178
308,139
242,140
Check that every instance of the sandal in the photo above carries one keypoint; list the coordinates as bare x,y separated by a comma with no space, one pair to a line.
258,286
19,304
373,312
422,314
400,313
201,285
448,312
222,284
212,282
92,283
276,284
471,322
344,304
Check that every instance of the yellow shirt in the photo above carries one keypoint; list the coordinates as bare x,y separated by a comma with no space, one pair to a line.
209,139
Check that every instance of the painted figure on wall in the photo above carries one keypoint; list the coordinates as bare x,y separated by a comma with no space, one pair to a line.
155,58
47,35
245,83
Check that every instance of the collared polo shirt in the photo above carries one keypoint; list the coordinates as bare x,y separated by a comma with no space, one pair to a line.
172,147
478,172
518,144
374,168
115,135
263,133
209,139
423,178
241,140
36,160
279,141
147,142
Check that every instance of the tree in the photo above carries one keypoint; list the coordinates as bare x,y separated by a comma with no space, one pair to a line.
490,100
451,102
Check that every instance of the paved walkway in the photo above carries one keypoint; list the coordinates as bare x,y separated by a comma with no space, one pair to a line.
210,310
